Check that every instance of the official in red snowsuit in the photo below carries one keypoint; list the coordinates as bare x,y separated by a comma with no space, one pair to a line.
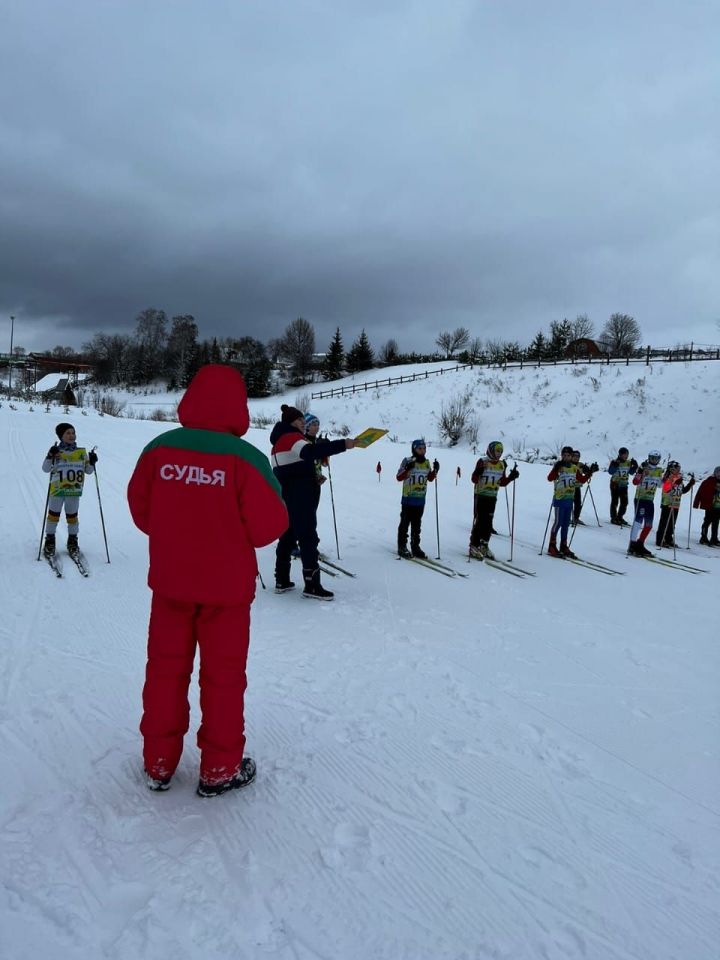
206,499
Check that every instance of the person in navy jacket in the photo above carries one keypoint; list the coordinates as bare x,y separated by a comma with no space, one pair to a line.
293,461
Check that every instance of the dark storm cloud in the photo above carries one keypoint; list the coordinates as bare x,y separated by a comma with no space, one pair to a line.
402,167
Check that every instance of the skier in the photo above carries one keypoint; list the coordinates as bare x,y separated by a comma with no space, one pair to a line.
68,465
566,475
620,469
648,477
708,499
488,476
312,427
293,460
672,491
202,477
415,472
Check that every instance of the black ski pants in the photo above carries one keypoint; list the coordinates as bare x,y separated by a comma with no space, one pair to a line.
711,522
410,518
484,511
301,500
577,504
666,526
618,501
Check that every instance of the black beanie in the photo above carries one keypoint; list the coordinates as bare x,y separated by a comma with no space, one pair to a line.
61,428
290,414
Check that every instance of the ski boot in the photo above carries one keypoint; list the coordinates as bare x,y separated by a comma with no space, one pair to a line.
615,522
419,554
476,553
314,590
244,777
553,551
73,547
485,550
157,784
567,552
704,541
403,551
49,545
715,543
282,586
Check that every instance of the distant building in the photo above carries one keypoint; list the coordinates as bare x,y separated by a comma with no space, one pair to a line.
61,392
585,347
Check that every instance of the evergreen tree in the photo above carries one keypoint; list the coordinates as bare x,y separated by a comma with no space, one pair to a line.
182,358
360,356
560,336
538,348
335,358
251,358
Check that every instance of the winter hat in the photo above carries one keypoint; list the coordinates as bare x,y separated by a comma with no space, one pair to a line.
61,428
495,448
716,472
310,419
290,414
623,450
420,442
567,450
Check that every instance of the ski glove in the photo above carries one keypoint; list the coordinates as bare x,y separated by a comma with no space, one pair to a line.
634,463
52,452
594,468
514,474
436,466
93,457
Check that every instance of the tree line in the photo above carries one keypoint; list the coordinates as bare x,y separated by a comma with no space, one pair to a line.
168,348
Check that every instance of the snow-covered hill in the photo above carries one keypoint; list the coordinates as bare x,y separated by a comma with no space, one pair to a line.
455,769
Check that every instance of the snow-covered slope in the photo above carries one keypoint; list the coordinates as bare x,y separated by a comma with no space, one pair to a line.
480,767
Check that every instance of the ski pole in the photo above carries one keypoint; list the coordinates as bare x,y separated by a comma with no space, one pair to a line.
512,524
690,510
542,545
507,510
332,503
592,501
672,532
102,518
42,532
260,578
437,519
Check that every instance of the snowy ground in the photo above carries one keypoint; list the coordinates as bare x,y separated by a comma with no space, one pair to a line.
454,769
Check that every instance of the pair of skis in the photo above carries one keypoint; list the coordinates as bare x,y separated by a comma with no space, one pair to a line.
442,568
504,566
591,565
77,558
671,564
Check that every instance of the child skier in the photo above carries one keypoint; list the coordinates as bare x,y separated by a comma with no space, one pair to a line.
620,470
708,499
488,476
68,466
312,427
647,479
566,476
415,473
672,491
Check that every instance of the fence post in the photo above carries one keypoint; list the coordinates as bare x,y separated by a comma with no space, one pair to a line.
691,349
647,356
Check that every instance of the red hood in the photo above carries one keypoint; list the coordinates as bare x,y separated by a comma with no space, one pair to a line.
216,400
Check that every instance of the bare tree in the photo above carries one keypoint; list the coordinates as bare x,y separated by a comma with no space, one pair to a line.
297,346
389,353
450,343
475,348
621,334
581,327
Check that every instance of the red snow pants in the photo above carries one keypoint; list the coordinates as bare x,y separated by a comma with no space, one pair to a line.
223,634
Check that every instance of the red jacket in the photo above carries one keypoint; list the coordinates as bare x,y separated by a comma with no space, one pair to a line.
706,493
206,498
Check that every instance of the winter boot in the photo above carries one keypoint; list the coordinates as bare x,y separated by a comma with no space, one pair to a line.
486,551
403,550
553,550
643,550
476,553
155,783
282,586
623,523
314,590
419,554
715,542
615,522
567,552
72,544
704,540
49,545
244,776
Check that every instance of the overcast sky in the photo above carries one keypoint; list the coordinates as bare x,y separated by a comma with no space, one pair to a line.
406,167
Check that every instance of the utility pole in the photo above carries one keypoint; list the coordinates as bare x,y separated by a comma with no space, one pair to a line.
12,330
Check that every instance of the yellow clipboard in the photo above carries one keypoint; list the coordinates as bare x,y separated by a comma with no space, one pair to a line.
369,436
